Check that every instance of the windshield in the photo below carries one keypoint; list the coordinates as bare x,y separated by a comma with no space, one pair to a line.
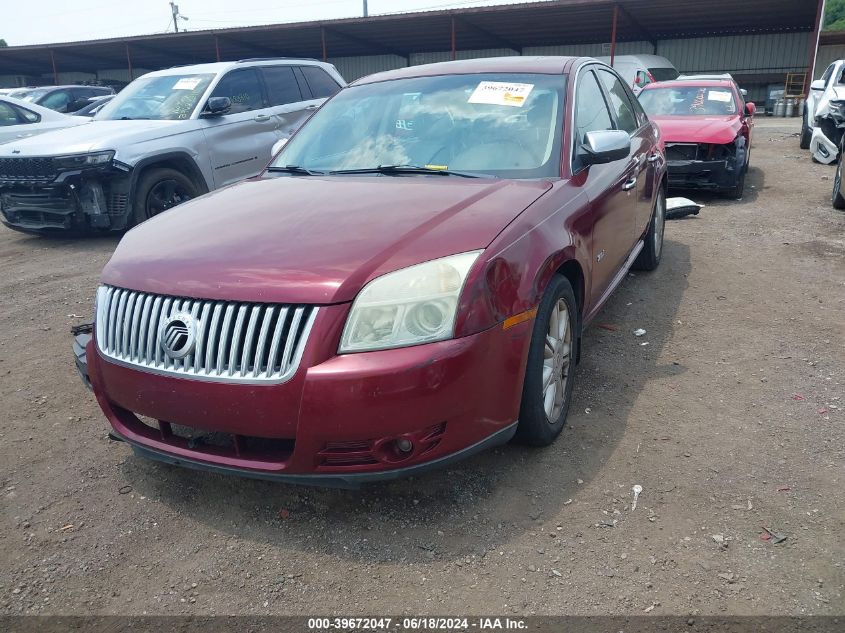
171,97
688,101
29,95
506,125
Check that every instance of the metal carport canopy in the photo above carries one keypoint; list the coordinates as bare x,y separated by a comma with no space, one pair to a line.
514,26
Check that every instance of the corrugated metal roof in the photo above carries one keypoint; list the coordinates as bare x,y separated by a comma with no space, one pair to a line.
510,26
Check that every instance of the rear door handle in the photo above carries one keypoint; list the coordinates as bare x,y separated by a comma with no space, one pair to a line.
629,184
262,118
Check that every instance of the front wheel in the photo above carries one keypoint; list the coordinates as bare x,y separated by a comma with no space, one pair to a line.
649,257
160,189
806,131
550,372
837,198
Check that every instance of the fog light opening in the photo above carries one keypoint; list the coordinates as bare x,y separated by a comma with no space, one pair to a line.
404,445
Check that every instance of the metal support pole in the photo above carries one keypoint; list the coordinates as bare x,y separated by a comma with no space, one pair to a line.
814,47
217,47
55,70
366,13
129,62
323,42
454,41
613,34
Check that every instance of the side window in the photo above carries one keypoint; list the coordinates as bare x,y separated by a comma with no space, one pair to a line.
620,103
281,85
243,87
321,84
28,116
57,100
8,116
591,114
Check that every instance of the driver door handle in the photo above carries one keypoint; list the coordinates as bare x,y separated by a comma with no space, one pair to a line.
262,118
629,184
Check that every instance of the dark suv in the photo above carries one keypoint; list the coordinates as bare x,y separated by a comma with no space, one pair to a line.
62,98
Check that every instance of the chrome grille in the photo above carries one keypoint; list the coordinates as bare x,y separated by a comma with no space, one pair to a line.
243,342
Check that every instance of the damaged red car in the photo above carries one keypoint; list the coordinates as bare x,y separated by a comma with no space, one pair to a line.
406,284
706,126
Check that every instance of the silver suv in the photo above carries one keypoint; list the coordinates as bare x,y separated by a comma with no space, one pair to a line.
169,136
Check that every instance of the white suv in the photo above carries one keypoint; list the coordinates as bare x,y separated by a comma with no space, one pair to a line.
169,136
819,132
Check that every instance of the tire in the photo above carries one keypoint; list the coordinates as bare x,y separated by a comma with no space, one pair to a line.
158,190
736,191
649,257
539,425
806,132
836,197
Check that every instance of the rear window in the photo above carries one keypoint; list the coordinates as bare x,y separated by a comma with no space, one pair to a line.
663,74
321,84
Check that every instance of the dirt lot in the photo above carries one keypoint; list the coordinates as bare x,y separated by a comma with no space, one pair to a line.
731,418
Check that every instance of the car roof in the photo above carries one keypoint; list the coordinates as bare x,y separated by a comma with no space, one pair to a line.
691,83
549,65
649,61
222,67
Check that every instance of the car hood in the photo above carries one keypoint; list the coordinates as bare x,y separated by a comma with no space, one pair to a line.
312,239
94,136
698,129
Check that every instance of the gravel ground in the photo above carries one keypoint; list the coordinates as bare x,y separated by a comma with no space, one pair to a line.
731,419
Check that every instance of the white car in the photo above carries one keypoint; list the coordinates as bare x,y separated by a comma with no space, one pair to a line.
20,119
818,131
641,70
168,137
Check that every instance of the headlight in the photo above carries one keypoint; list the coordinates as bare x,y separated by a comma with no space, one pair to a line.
408,307
81,161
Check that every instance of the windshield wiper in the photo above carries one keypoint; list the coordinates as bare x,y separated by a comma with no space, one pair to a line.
408,169
294,169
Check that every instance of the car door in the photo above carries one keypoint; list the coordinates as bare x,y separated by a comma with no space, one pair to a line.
11,126
239,140
288,104
608,186
629,116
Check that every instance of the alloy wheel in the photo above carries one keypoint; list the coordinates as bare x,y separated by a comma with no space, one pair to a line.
165,195
556,360
659,224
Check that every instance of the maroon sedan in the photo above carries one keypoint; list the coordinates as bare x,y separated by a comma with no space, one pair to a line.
406,285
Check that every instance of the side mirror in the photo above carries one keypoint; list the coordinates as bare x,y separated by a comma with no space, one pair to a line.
750,108
217,106
818,84
277,146
605,146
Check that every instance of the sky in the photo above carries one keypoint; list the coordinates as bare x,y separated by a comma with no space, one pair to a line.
64,21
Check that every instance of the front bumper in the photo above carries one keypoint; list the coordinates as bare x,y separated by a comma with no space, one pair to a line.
703,174
337,421
74,202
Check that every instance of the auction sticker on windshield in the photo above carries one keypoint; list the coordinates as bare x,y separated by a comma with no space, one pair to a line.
187,83
719,95
501,93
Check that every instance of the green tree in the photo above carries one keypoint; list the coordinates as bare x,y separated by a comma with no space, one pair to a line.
834,15
3,44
